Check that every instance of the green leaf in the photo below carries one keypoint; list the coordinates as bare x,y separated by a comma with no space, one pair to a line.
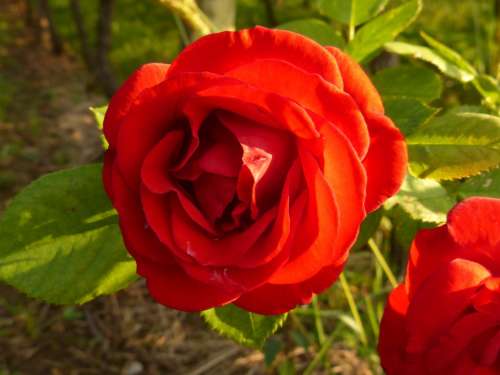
60,242
315,29
360,10
368,227
405,228
424,200
455,145
383,29
486,184
409,82
244,327
449,54
426,54
489,88
408,113
99,113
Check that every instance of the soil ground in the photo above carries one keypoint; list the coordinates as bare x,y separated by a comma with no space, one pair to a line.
45,125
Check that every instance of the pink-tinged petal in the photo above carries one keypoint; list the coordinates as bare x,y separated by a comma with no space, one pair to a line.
267,154
314,246
385,162
474,224
356,83
172,287
260,106
156,111
144,77
441,299
311,92
221,52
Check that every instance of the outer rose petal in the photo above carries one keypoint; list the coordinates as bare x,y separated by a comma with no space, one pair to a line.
173,288
357,84
475,223
392,341
387,147
310,91
144,77
385,162
248,45
440,300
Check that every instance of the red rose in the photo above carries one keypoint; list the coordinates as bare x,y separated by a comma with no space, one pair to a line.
445,317
241,172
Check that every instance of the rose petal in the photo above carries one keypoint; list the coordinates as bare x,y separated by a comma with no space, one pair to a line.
441,299
392,340
171,287
356,82
474,223
155,111
314,246
311,92
155,176
267,154
144,77
385,162
214,193
260,106
244,46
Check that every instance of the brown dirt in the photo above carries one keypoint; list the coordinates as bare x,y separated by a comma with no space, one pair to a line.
45,125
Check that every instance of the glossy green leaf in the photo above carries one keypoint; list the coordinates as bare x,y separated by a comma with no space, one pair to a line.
317,30
244,327
423,199
431,56
408,81
60,242
489,88
358,11
486,185
455,145
374,34
408,113
449,54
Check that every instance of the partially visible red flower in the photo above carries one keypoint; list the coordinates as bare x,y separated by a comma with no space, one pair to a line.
445,317
241,172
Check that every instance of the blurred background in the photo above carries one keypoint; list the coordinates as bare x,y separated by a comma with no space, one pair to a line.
58,58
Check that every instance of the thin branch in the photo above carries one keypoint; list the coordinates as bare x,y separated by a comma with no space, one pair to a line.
190,13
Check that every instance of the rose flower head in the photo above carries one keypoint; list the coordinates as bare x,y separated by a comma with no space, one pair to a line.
445,317
242,171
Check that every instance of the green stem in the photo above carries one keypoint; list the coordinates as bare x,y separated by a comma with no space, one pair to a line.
317,321
381,260
354,309
324,348
352,26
